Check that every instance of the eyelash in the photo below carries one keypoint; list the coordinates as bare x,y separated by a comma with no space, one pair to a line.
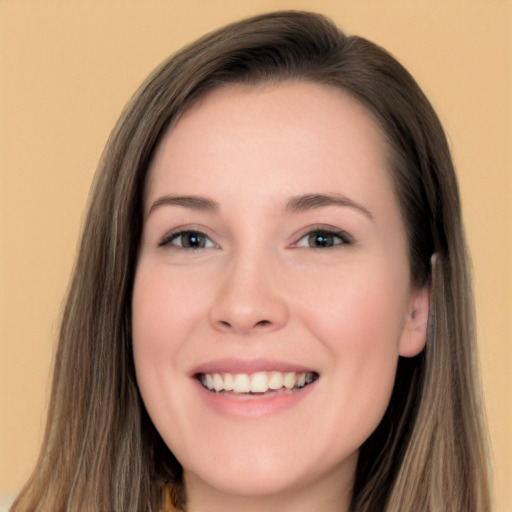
324,236
171,237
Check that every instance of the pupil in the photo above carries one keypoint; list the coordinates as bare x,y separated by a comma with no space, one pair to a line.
321,240
193,241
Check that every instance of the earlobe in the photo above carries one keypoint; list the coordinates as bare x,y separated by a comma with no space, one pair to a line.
414,334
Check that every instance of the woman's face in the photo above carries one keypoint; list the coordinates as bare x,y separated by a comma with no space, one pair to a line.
272,294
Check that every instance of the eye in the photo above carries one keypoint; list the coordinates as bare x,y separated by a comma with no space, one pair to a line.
323,239
188,239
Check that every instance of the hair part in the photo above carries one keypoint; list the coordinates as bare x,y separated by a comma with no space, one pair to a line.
429,451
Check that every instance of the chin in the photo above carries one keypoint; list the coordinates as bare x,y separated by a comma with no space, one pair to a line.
250,482
269,475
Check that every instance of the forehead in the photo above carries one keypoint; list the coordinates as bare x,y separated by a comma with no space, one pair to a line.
271,138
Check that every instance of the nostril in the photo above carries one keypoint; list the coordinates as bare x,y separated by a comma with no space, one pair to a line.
224,323
262,323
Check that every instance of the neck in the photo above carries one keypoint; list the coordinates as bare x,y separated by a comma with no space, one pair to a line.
327,495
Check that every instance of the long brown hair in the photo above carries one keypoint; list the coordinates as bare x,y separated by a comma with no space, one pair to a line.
101,451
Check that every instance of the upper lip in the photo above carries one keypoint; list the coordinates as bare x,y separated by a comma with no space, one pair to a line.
233,365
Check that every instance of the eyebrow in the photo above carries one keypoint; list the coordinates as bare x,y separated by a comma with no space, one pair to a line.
313,201
295,204
192,202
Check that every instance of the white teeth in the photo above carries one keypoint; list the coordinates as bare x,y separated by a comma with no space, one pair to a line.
259,382
242,383
229,382
276,380
289,380
218,384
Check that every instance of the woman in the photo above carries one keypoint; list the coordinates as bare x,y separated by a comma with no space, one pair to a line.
271,307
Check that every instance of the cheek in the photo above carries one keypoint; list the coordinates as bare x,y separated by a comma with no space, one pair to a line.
150,323
151,346
161,319
164,311
363,313
360,322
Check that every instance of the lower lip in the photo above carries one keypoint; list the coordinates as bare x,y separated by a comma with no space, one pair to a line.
253,406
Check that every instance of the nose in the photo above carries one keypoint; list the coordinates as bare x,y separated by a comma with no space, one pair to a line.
249,298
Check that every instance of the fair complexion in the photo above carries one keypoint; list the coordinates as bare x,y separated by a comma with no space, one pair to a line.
273,253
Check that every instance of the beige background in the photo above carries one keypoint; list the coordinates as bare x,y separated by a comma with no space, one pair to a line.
66,70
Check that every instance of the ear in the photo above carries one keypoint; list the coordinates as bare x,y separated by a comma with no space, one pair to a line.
414,333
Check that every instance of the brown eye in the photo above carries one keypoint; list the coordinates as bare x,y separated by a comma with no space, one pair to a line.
323,239
192,240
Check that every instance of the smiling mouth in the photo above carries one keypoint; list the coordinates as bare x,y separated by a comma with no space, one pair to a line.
256,383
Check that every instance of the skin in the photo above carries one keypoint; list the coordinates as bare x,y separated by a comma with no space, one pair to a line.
260,289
